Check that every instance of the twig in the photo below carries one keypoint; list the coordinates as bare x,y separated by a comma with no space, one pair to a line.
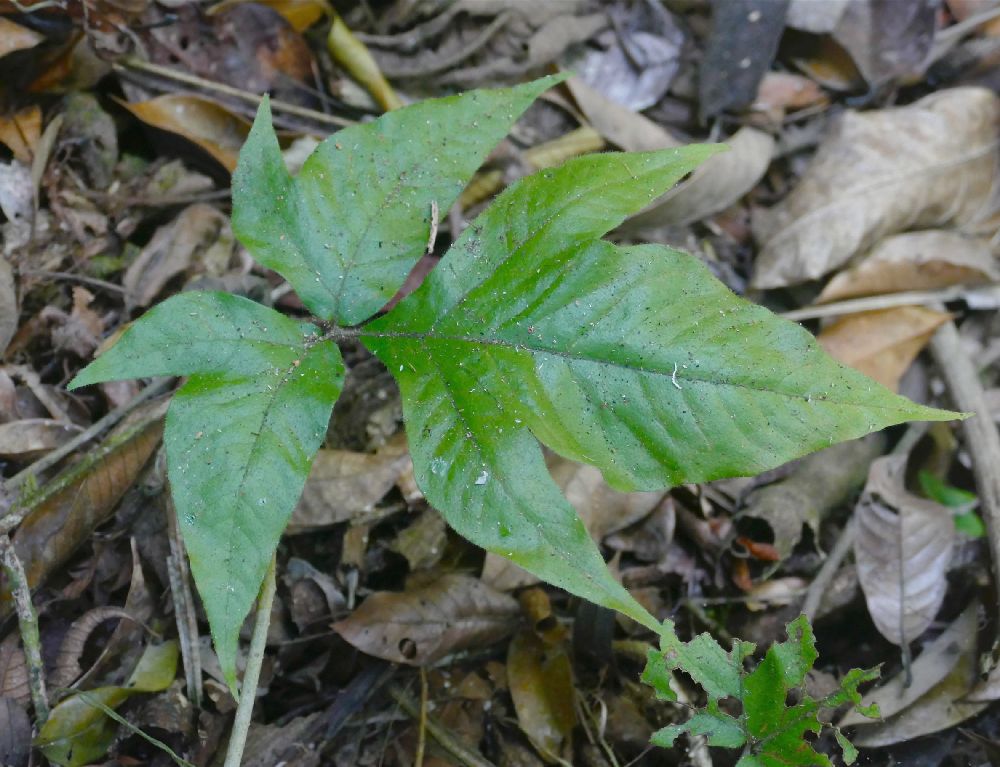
27,622
94,430
251,676
889,300
967,394
184,616
132,63
439,733
82,278
418,759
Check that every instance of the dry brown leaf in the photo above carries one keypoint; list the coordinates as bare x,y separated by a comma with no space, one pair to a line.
301,14
15,734
344,484
314,595
66,511
21,131
423,541
930,164
887,40
541,685
882,343
33,437
826,62
199,120
902,551
14,670
781,92
717,183
422,625
14,37
199,233
936,661
628,130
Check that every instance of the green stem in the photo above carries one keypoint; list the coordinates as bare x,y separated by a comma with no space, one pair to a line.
27,621
248,691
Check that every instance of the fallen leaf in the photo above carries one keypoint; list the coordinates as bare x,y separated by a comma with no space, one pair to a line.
421,625
344,484
199,237
628,130
14,37
930,164
816,17
715,185
935,662
199,120
815,486
826,62
21,131
741,47
887,39
33,437
422,542
541,686
301,14
783,92
314,595
15,733
14,670
902,551
926,260
882,343
63,513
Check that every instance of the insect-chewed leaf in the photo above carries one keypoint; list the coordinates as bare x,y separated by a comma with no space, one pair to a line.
635,360
240,434
347,230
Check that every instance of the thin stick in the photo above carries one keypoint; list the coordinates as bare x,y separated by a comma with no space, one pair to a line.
439,733
27,621
81,278
227,90
418,760
248,691
889,300
967,394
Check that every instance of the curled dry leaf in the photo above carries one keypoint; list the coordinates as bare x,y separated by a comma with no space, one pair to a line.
882,343
33,437
199,237
422,542
421,625
716,184
14,670
21,131
628,130
541,686
66,511
936,661
197,119
902,550
930,164
344,484
926,260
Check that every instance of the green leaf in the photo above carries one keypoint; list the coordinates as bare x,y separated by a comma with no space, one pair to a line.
635,360
719,729
968,521
78,733
240,434
347,230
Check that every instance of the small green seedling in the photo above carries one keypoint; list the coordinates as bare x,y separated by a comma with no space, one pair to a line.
532,329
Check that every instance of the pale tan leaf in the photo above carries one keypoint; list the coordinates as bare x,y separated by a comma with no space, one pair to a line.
926,260
175,248
935,662
423,541
716,184
197,119
421,625
930,164
14,37
781,92
32,437
14,670
541,686
882,343
628,130
344,484
902,550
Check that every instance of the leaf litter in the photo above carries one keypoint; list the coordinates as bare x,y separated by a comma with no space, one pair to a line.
110,198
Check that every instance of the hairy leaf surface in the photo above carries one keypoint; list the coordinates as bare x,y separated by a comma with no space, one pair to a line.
240,434
635,360
347,230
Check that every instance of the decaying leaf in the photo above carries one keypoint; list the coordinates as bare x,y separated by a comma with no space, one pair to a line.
314,594
887,39
344,484
882,343
200,235
197,119
930,164
32,437
14,37
715,185
421,625
781,92
422,542
15,734
66,511
935,258
936,661
541,686
14,670
902,550
21,131
628,130
816,485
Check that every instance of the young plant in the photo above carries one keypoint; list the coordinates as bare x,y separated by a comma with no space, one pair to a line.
531,329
